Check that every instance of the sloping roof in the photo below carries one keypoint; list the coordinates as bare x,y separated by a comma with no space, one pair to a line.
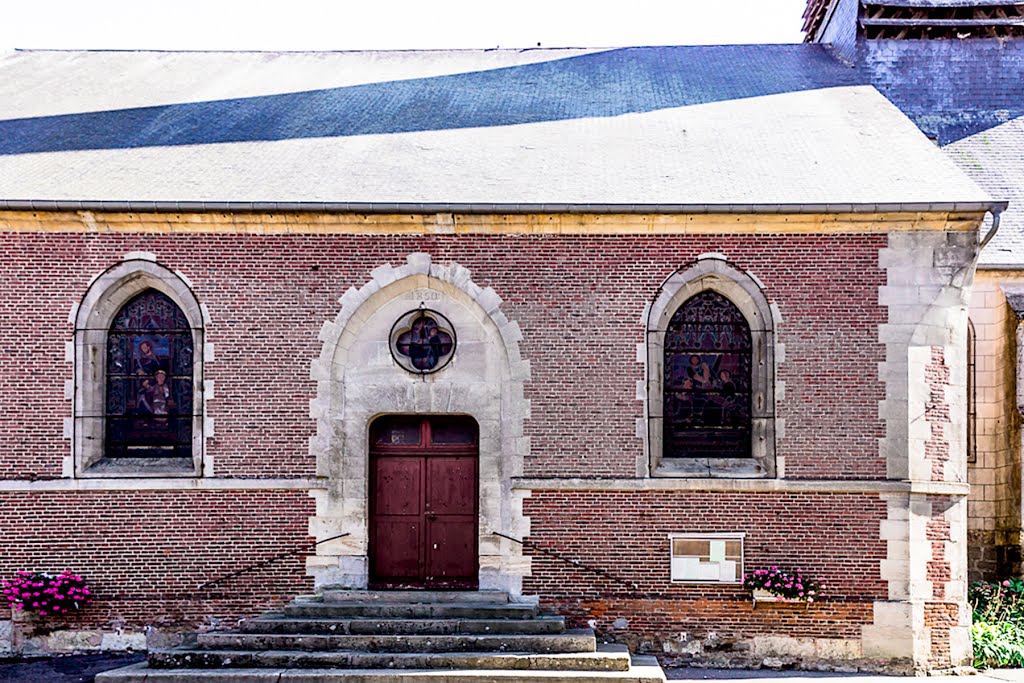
720,125
995,159
942,3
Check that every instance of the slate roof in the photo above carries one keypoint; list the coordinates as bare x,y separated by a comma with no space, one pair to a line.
941,3
708,125
995,159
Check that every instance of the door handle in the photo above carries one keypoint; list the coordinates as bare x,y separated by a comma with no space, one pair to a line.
431,516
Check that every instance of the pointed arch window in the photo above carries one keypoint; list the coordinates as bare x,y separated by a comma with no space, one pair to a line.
139,394
149,380
707,380
711,375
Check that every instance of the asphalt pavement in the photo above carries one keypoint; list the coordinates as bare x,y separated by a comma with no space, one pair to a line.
83,668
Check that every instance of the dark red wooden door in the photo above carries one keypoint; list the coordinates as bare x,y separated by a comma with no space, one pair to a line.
423,502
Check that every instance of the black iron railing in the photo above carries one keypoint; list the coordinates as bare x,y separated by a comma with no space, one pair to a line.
568,560
275,558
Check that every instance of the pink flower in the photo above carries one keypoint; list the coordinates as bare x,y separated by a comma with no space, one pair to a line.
1006,584
810,599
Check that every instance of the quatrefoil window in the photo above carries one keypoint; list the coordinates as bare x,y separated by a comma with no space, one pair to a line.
422,341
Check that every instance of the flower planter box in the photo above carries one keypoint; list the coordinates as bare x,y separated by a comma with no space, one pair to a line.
762,596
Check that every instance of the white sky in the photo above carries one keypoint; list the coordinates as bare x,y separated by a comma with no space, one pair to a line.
391,24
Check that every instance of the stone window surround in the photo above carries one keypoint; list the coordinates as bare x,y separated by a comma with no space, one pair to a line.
93,316
713,272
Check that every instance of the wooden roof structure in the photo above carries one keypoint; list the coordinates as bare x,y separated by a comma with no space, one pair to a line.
927,19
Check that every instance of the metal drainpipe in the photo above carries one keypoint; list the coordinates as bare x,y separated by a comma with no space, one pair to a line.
997,214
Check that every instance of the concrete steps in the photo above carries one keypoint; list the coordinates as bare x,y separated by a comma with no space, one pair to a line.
570,641
281,624
385,636
609,658
643,670
444,610
408,597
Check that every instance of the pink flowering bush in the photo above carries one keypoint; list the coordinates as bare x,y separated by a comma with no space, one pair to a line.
794,585
46,594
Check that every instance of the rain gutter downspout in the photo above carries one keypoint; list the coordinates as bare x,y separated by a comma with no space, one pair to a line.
997,214
485,208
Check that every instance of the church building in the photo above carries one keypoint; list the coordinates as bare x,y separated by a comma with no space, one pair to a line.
604,331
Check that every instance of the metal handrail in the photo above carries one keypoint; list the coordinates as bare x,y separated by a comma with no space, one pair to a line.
275,558
568,560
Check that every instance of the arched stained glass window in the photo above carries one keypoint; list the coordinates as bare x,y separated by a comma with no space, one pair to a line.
149,380
707,390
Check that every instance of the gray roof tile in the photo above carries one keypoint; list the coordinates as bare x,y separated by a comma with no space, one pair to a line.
765,124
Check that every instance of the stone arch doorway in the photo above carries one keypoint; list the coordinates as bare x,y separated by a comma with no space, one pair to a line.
359,380
424,502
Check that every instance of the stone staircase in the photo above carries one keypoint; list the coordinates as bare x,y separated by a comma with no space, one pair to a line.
396,637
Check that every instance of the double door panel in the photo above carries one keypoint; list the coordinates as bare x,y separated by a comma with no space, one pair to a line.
423,519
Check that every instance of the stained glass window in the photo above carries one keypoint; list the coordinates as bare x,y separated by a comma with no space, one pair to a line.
149,380
707,380
422,341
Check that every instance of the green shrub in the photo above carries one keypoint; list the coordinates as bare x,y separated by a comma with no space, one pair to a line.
998,630
997,645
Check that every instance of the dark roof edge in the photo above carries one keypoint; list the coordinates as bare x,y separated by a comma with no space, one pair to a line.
924,4
485,208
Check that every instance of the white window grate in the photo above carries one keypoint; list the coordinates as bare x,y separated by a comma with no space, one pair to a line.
707,558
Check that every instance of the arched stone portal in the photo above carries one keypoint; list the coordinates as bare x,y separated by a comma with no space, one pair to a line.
357,380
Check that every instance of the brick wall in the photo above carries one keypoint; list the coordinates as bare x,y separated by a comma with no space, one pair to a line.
625,535
579,301
937,414
145,553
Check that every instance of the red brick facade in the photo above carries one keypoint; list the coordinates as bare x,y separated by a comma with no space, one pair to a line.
580,303
145,554
579,300
626,535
